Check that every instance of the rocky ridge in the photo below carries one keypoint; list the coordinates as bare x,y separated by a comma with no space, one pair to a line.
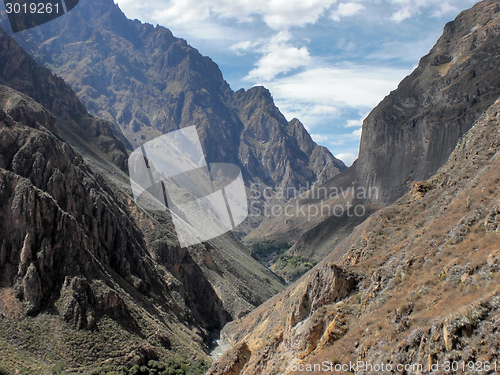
416,283
102,281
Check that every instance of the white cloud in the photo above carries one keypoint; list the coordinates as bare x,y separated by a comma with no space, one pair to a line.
353,123
325,110
319,138
241,48
277,14
280,14
279,56
357,132
402,14
353,86
444,8
410,8
319,95
347,157
347,10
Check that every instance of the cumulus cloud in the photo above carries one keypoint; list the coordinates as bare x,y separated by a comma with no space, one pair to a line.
325,110
353,123
409,8
279,56
347,157
352,86
241,48
347,10
321,95
443,9
277,14
285,13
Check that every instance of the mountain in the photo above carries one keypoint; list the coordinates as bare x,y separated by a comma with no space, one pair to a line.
406,138
413,131
417,281
22,73
89,281
150,83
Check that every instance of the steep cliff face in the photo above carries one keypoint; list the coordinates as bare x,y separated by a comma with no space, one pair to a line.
412,132
150,83
71,251
415,284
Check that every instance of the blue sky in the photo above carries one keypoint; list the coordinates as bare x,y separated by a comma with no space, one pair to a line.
326,62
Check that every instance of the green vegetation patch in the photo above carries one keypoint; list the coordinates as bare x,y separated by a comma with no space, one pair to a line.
292,267
269,251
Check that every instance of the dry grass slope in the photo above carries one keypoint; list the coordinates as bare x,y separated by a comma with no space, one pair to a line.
426,272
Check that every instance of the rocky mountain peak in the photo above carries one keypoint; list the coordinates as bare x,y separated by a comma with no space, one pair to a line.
150,83
78,254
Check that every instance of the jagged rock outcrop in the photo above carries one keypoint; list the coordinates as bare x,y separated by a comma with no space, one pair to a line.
52,200
68,242
303,319
150,83
424,274
277,152
413,131
102,281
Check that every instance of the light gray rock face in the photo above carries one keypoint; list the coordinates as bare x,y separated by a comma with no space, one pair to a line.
412,132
